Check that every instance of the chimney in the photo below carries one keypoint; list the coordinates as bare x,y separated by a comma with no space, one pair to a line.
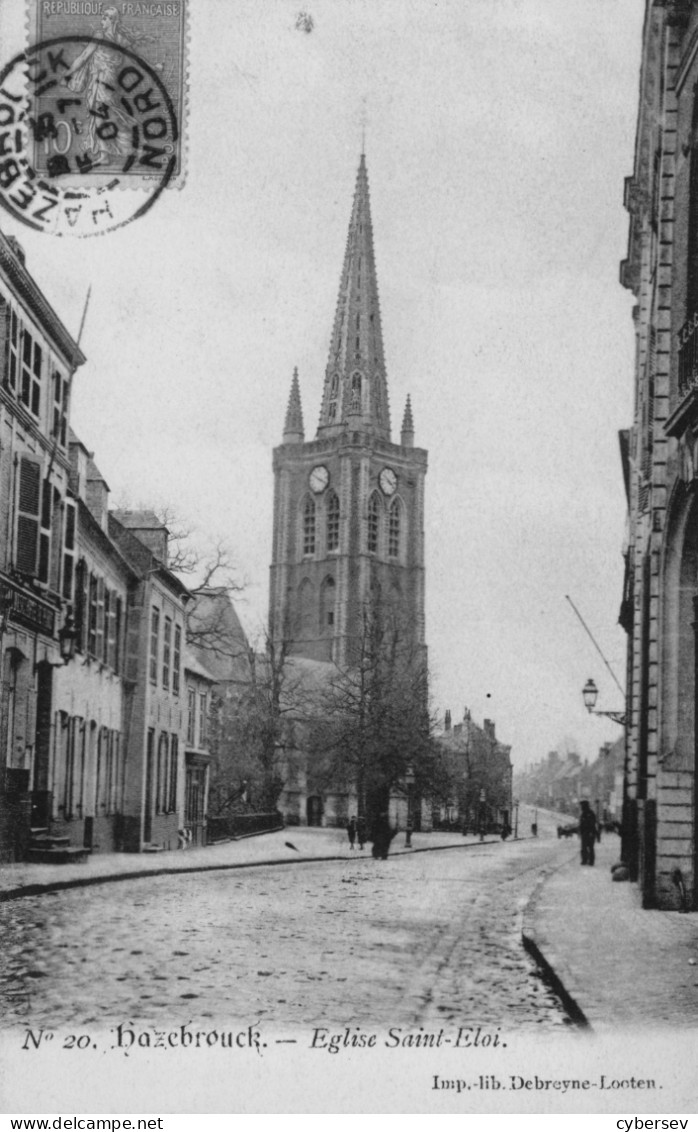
79,458
97,494
488,727
447,720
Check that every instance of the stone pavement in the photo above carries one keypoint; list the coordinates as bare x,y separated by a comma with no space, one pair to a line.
287,846
621,965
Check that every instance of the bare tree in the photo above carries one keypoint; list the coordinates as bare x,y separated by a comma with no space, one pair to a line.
375,721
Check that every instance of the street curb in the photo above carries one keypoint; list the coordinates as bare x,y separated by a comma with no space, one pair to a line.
549,963
87,882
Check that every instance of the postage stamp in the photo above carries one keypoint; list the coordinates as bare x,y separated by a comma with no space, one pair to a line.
96,109
93,107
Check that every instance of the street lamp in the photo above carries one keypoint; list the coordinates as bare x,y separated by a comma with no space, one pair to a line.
590,694
409,782
481,815
66,639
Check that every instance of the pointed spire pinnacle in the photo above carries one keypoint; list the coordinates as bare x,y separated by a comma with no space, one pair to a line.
407,431
356,391
293,427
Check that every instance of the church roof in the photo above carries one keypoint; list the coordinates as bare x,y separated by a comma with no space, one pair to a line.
356,392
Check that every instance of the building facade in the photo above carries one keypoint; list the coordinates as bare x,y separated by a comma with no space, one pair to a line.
348,505
660,603
37,542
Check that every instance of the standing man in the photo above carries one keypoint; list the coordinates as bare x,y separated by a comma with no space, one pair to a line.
351,831
587,832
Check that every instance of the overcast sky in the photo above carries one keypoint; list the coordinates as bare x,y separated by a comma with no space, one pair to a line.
499,133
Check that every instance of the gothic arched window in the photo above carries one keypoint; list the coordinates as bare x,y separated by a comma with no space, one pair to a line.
394,529
373,523
332,521
309,526
327,592
305,618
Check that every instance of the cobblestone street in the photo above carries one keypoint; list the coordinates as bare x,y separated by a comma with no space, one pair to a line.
420,939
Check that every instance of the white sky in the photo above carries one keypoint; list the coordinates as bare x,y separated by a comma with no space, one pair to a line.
499,134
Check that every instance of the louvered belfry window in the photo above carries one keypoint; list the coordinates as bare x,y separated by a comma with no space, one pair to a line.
373,517
28,516
309,527
394,529
332,522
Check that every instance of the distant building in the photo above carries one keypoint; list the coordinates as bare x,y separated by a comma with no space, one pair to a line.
92,697
157,726
479,768
199,683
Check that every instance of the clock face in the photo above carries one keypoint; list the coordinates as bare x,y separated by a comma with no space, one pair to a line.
388,481
319,479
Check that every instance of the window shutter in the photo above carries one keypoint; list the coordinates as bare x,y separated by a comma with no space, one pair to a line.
69,551
82,582
5,315
45,532
28,503
101,634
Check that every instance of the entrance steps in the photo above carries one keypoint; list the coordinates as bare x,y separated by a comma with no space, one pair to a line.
45,849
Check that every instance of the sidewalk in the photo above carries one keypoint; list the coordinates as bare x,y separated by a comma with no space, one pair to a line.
288,846
621,966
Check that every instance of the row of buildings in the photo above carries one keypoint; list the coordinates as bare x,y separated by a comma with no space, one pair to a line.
110,666
660,453
103,737
560,782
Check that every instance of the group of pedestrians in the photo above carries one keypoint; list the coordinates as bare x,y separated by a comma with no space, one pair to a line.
381,834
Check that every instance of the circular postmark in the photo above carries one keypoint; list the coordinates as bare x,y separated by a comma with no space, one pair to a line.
88,136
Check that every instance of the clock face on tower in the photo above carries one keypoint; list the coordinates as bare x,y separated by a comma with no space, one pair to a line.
319,479
388,481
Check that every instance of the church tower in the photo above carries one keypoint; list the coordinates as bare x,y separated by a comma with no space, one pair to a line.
348,505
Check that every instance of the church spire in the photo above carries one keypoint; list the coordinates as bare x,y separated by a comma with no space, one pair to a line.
407,431
293,426
355,394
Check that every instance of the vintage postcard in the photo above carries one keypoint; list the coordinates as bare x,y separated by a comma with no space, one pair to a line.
348,567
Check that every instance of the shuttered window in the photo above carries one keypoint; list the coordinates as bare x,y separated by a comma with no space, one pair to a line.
32,359
174,759
93,616
154,643
68,552
11,350
82,583
60,408
118,631
176,659
28,514
166,652
45,533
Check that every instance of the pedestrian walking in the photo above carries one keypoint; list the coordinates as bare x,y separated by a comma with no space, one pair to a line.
587,832
361,831
381,835
351,831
